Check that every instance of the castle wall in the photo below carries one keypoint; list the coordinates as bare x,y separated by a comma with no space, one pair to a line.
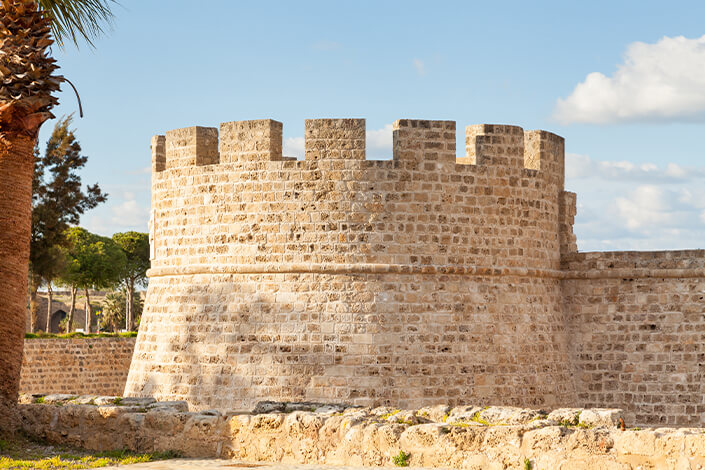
637,331
430,278
78,366
426,278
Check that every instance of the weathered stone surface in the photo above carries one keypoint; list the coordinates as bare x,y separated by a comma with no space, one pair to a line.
597,417
430,278
358,436
76,366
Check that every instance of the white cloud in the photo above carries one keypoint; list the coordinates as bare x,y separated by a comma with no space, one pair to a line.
294,147
122,212
628,206
661,81
419,66
129,213
647,207
581,166
379,143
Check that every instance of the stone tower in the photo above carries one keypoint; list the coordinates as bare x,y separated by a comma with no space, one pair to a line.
428,278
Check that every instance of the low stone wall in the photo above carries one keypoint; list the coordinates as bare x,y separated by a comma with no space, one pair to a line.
76,365
465,437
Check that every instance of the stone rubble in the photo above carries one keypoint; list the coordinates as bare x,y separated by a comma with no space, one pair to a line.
466,437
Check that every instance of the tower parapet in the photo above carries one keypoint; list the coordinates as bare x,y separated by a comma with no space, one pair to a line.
335,139
344,279
191,146
247,141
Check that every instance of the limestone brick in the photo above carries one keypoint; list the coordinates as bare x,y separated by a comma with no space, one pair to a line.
76,366
428,279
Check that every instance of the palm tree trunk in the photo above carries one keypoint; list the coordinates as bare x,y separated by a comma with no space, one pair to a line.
69,322
16,169
50,294
89,312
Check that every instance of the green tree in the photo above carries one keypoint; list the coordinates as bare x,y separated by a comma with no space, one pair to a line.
26,99
115,311
135,245
58,201
94,262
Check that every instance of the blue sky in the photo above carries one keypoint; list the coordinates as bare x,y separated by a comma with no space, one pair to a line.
623,82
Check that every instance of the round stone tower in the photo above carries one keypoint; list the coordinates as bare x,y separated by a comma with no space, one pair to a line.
418,280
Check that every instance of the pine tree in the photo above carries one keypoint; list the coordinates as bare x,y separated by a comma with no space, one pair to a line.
58,201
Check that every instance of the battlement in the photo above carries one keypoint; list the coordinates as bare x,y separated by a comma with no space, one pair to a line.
414,141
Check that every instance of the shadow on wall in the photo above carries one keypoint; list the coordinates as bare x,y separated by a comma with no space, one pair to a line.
350,343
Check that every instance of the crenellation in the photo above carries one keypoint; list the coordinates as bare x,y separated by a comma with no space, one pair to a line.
158,153
191,146
335,139
373,282
251,141
423,141
496,145
545,152
567,210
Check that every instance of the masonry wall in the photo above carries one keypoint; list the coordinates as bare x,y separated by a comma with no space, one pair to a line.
97,366
435,277
429,278
637,330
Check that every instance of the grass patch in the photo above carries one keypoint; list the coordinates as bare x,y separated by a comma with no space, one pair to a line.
23,452
527,464
76,334
401,459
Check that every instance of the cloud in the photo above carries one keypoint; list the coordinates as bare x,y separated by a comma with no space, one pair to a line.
581,166
419,66
129,213
379,143
294,147
628,206
664,81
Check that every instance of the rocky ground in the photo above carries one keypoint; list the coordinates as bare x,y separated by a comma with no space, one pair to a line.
468,437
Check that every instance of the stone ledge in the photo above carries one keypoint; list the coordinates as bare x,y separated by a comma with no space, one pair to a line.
435,436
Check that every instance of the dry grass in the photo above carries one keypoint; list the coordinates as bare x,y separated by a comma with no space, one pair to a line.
22,452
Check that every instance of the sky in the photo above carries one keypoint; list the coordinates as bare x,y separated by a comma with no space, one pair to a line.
623,82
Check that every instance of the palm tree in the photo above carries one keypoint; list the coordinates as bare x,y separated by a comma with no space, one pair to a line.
27,87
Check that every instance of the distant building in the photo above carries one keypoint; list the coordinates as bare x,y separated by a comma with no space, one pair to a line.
60,307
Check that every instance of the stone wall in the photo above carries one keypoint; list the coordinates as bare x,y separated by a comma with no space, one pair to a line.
465,437
425,278
637,327
429,278
78,365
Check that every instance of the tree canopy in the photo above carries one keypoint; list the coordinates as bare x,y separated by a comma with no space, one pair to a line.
135,245
93,261
58,197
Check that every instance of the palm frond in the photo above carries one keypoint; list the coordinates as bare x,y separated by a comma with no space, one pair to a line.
77,19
